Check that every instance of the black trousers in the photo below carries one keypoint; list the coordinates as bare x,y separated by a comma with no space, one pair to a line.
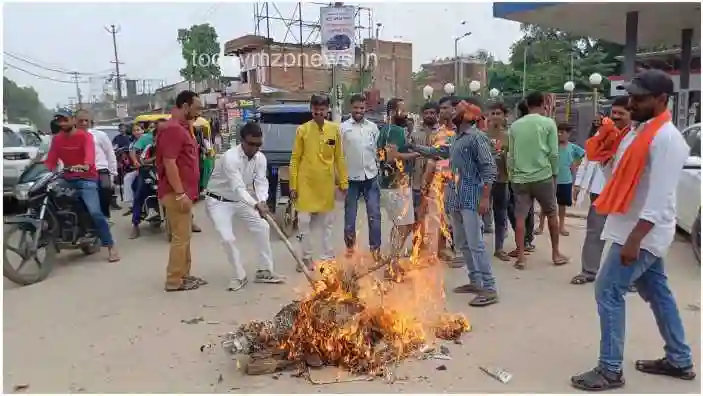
105,190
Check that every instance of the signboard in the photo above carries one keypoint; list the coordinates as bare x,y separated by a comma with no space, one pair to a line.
337,35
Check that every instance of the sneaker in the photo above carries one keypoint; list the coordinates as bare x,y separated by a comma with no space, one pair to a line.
237,284
266,276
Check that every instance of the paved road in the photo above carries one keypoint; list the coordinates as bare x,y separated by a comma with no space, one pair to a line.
98,327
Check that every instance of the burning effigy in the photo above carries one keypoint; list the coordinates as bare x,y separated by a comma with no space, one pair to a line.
354,320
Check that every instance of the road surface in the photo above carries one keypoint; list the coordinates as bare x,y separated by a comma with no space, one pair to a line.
96,327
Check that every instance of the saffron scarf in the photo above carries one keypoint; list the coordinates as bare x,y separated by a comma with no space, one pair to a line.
618,193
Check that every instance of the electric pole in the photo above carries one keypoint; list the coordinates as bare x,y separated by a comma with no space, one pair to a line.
78,90
113,30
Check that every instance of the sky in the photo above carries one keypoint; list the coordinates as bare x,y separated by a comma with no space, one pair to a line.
72,37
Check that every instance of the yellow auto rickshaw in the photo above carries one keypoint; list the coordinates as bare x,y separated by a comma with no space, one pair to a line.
202,131
145,120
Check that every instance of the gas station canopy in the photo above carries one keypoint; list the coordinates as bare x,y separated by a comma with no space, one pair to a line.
659,23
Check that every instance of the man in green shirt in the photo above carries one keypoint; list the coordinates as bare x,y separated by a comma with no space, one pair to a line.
533,164
396,168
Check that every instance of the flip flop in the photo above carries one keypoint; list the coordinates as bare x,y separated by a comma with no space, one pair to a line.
561,261
520,265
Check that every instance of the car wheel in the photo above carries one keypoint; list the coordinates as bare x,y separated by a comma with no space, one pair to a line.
696,238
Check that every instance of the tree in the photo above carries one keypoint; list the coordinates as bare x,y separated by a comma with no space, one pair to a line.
200,48
22,104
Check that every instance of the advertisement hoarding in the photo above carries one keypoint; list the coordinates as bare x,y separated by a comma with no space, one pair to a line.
337,35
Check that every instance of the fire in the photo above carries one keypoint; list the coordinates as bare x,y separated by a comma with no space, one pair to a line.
352,319
363,324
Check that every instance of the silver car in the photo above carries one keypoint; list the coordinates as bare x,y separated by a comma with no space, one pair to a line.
18,151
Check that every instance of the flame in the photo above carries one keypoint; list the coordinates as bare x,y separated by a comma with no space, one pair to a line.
364,324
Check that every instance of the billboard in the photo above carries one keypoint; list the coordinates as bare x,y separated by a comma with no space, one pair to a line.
337,35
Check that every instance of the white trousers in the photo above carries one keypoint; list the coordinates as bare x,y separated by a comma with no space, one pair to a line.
127,186
222,215
316,222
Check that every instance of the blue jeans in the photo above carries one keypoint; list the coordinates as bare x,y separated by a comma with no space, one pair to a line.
649,277
468,236
371,192
88,190
141,192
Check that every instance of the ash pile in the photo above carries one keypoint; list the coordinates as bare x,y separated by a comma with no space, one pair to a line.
353,322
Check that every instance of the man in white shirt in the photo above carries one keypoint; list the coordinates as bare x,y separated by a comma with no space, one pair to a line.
240,176
105,160
360,142
641,224
589,183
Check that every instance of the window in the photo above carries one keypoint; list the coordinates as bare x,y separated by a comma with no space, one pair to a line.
693,139
31,138
11,139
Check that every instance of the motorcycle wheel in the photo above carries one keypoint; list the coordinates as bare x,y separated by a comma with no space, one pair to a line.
91,248
45,266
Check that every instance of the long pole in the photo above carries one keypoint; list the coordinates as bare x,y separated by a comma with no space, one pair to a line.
78,90
336,71
456,62
524,71
571,71
113,30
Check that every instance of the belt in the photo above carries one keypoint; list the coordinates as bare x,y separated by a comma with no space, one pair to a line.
217,197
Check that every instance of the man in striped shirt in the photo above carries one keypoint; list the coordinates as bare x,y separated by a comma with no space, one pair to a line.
468,198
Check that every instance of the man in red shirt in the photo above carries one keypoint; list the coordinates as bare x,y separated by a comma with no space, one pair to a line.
177,161
76,150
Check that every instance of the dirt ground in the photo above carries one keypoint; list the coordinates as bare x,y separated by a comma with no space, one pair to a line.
95,327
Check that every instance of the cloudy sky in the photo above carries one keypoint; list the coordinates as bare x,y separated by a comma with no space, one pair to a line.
72,37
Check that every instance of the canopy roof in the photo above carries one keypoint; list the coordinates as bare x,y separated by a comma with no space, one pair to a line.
659,23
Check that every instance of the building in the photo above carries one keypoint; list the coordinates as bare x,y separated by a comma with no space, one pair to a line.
294,72
442,71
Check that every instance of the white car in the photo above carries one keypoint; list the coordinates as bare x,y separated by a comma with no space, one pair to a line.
688,194
18,151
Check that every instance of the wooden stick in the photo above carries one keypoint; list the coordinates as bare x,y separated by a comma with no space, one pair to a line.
277,228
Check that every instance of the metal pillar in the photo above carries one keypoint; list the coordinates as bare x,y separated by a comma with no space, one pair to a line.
685,77
630,51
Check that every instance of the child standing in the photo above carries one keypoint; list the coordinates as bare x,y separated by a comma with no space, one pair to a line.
570,156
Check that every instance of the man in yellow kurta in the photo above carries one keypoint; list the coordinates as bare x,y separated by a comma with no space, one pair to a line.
316,166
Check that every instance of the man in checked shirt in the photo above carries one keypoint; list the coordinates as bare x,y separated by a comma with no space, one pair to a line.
468,198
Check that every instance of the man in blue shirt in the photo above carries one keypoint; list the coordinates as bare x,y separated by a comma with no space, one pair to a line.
467,198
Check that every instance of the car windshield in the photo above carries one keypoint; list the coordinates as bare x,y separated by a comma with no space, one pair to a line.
11,139
31,137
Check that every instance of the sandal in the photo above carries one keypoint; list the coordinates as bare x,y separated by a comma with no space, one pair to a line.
467,288
113,257
134,234
597,380
539,231
529,248
501,255
561,261
564,233
664,367
520,264
513,253
195,228
184,286
582,279
484,299
195,279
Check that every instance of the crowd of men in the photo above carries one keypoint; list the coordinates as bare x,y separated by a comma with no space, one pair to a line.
479,166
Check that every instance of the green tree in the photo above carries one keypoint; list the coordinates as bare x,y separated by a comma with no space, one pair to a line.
200,48
22,104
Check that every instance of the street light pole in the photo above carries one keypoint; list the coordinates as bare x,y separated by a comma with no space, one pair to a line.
457,74
524,71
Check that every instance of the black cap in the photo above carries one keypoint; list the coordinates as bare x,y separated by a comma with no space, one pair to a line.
650,82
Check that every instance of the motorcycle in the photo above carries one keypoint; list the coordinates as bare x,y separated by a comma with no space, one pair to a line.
56,219
151,204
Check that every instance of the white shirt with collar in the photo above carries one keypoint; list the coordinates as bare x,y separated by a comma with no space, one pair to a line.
590,177
359,141
104,152
655,197
240,179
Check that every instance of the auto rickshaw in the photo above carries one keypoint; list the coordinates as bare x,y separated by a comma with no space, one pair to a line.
145,120
202,131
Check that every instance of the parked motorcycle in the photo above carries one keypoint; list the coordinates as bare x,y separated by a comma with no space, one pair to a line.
151,212
56,219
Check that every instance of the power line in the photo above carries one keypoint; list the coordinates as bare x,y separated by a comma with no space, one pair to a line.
114,30
40,76
39,65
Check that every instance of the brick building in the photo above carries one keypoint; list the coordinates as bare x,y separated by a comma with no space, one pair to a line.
294,72
441,71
